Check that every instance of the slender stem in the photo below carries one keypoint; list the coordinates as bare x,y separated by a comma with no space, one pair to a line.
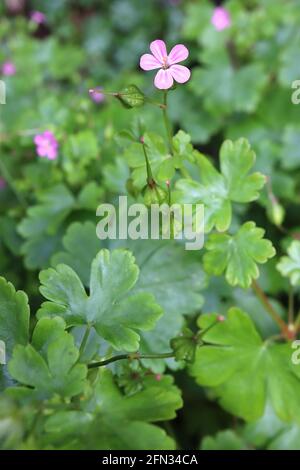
155,103
85,339
7,176
203,332
150,178
133,356
291,306
269,308
297,322
167,121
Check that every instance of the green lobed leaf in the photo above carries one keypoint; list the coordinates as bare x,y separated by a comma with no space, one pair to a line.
159,158
224,440
173,275
131,97
244,371
238,255
111,420
289,266
217,190
53,369
14,316
110,309
41,224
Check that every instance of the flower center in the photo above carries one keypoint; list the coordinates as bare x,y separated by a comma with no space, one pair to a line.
165,64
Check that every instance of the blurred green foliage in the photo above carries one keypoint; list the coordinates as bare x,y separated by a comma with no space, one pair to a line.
241,87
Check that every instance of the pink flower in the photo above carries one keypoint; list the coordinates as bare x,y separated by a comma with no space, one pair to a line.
8,69
96,95
46,145
38,17
221,18
167,63
2,183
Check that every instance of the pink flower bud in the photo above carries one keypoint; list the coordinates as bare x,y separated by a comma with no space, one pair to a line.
8,69
221,18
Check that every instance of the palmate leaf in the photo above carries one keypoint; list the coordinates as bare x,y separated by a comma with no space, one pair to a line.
14,316
224,440
173,275
244,371
14,323
48,365
271,433
43,225
110,420
81,246
218,190
289,266
158,155
110,308
238,255
231,96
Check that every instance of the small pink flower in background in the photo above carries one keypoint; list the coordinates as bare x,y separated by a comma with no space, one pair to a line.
8,69
2,183
46,145
221,18
167,63
96,95
38,17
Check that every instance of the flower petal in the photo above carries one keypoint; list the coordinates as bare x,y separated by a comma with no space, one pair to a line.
178,54
149,62
159,50
163,79
180,73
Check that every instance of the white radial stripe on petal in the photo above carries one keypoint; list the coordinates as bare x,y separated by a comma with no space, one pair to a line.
180,73
149,62
159,50
178,54
163,79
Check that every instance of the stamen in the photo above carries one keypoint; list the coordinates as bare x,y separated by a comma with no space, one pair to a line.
165,63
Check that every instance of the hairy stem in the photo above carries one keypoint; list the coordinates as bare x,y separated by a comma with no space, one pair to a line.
130,357
85,339
269,308
150,178
167,121
291,306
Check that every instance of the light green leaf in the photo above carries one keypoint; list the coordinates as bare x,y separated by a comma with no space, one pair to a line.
14,316
238,255
244,372
173,275
218,190
115,421
110,309
54,370
131,97
41,224
78,153
90,196
224,440
236,160
81,246
289,266
158,157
